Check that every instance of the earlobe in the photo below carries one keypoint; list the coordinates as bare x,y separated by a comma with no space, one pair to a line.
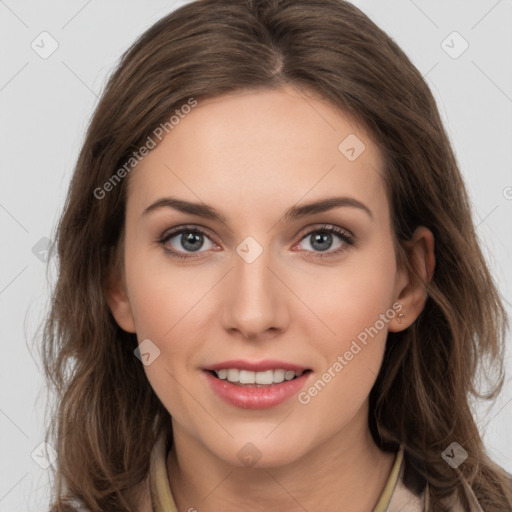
119,304
410,292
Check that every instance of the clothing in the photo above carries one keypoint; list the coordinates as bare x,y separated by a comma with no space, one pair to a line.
396,497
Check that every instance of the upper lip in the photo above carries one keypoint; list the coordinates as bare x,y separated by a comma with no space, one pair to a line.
256,366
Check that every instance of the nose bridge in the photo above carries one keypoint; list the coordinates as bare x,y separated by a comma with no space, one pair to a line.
255,302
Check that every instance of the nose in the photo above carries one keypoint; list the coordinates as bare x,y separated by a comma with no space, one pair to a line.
255,304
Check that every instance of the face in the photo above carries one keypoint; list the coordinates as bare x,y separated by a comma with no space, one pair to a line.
268,285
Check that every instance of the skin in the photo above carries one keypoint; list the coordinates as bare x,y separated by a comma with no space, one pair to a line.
251,155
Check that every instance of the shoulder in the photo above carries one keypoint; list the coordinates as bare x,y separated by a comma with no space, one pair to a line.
403,498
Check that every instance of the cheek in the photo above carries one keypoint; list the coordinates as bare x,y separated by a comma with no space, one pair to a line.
163,317
168,305
161,292
356,306
351,297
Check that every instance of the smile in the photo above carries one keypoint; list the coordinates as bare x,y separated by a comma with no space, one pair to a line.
264,378
247,393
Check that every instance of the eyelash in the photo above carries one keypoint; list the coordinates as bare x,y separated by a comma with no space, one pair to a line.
347,239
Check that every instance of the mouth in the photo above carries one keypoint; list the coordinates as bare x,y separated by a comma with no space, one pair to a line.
256,385
258,379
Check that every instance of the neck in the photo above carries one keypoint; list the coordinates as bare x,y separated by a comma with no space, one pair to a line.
347,468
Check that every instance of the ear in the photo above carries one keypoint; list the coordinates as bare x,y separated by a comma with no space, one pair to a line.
119,303
409,289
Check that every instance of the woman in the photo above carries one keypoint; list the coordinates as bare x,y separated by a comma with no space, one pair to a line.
271,295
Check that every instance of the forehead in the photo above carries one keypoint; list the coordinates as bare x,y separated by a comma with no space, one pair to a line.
261,148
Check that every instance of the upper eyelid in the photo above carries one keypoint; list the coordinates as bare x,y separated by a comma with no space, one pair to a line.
184,229
325,226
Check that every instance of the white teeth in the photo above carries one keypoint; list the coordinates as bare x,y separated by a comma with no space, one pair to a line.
232,375
279,376
267,377
289,375
246,377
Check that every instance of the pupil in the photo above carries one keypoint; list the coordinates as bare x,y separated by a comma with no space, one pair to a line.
322,238
190,238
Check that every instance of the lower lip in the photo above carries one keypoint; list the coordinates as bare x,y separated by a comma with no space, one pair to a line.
252,397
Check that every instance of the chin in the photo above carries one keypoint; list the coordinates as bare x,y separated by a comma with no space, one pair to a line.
259,451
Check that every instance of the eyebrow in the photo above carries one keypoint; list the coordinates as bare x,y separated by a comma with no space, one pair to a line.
294,212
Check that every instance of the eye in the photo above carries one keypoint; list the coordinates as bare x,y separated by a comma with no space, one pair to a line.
182,242
321,239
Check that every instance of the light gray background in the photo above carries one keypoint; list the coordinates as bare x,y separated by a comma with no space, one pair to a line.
45,107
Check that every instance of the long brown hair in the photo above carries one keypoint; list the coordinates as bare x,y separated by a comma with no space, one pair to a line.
106,417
